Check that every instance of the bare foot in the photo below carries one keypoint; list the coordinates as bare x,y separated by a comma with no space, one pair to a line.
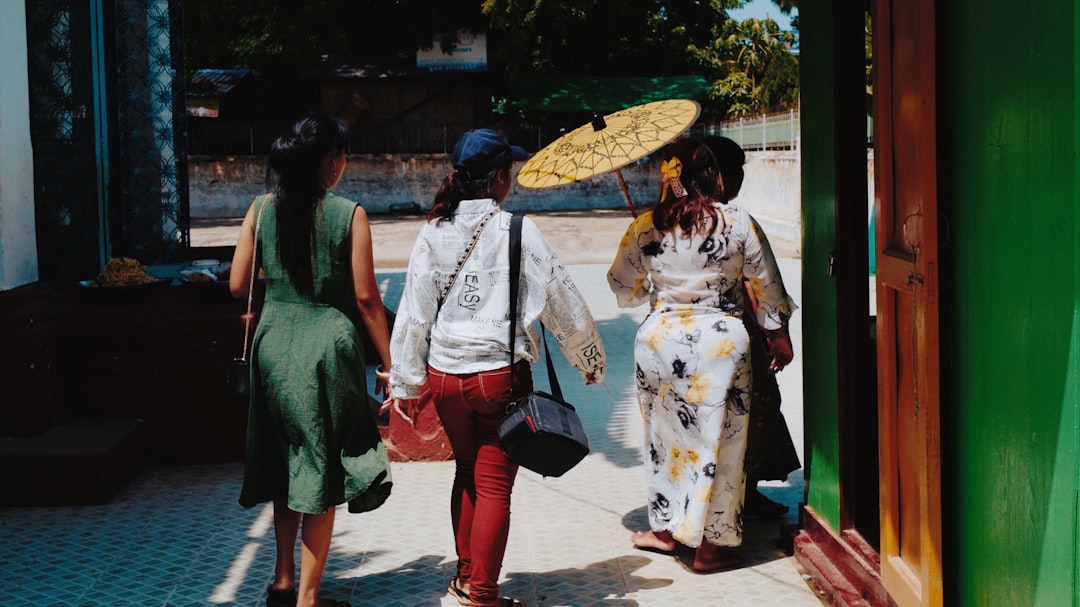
655,541
709,558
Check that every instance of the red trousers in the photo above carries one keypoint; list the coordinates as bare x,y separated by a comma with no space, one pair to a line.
470,408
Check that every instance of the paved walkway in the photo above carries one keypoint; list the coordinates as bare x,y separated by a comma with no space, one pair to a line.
176,537
579,236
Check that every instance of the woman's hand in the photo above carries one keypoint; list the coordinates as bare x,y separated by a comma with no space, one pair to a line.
382,386
407,408
382,381
780,350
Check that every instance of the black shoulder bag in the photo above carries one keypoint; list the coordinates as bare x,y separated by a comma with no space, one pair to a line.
541,432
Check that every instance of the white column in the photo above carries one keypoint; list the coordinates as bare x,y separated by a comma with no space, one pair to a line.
18,239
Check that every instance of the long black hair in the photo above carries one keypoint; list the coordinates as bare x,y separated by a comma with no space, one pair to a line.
294,174
693,212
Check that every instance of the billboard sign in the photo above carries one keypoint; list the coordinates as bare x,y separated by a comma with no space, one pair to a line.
469,55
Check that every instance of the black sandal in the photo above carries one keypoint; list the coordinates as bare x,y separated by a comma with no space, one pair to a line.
460,594
280,598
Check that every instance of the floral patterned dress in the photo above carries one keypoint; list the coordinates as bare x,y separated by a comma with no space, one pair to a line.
692,364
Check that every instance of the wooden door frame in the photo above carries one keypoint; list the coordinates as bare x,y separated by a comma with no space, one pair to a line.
856,374
904,270
845,566
850,569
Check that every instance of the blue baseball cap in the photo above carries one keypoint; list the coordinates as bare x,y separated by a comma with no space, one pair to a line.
481,151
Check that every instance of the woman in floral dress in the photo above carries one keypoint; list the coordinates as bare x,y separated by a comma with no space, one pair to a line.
688,258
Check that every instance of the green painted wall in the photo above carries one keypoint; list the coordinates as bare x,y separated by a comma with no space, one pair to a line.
1010,322
821,417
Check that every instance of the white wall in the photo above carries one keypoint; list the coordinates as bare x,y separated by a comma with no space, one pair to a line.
18,240
225,186
772,192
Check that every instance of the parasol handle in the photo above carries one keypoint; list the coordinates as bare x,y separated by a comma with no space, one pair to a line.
626,192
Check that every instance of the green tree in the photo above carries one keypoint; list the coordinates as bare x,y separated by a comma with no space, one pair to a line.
277,37
735,94
288,36
282,40
780,85
750,65
601,37
786,6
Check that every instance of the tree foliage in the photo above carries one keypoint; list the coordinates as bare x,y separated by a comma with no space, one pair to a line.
747,62
750,65
601,37
786,6
289,36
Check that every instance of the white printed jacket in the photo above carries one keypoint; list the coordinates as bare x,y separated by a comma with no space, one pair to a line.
469,332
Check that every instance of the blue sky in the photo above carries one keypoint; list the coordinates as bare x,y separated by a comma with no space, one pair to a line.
759,9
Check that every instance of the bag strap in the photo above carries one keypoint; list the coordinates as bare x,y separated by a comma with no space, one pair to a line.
515,280
251,281
465,256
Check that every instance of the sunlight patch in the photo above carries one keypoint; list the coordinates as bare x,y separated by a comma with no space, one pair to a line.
235,576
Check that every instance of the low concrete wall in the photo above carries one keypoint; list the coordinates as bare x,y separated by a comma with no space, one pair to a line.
772,192
225,186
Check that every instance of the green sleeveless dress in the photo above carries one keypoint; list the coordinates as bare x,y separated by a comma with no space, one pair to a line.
311,437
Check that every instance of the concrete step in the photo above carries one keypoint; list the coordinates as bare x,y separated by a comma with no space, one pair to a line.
75,462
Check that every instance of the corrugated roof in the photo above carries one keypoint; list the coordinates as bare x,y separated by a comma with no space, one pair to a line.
555,93
216,81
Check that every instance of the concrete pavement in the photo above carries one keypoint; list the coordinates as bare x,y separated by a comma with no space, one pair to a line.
175,535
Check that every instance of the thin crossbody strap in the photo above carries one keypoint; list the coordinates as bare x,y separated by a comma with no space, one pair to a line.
465,255
251,280
515,283
515,278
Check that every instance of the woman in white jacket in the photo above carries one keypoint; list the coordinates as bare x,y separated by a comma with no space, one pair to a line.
452,334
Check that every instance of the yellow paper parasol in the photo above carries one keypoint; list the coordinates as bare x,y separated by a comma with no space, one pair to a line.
609,143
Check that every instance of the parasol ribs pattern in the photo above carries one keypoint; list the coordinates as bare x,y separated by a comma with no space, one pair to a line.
630,134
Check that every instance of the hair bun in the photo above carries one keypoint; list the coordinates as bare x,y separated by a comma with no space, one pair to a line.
294,140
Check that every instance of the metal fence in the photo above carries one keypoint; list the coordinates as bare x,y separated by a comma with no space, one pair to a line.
766,132
779,131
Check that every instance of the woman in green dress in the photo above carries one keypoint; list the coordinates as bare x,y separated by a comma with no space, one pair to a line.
312,442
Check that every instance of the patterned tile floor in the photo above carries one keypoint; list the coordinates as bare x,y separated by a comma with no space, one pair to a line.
174,536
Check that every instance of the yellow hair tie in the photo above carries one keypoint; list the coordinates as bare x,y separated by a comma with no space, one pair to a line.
670,171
